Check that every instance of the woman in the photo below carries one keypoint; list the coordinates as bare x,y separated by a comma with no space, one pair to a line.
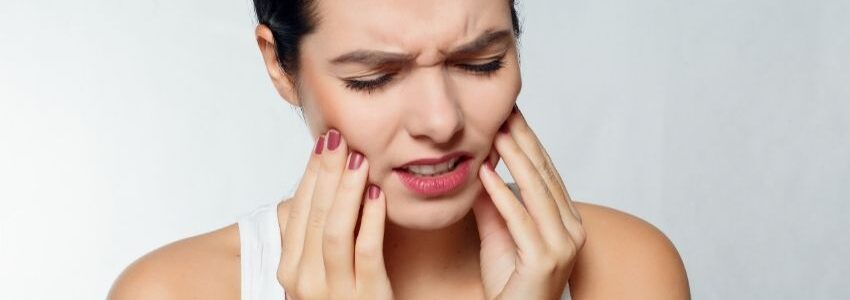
411,104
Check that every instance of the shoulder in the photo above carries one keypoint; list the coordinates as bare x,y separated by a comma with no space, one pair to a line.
625,257
205,266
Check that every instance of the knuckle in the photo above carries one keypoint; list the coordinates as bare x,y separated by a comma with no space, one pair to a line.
317,216
547,265
541,164
328,166
367,251
580,236
307,289
543,190
332,164
350,183
313,167
562,243
565,249
333,237
526,220
568,252
286,278
549,172
294,214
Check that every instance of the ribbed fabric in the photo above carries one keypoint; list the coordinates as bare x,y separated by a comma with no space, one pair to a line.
259,235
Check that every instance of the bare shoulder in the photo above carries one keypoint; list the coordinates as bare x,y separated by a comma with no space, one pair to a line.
625,257
206,266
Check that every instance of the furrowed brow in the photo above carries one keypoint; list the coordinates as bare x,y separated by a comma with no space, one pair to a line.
372,58
482,42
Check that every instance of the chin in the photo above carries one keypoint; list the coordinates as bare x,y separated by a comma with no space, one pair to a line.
405,210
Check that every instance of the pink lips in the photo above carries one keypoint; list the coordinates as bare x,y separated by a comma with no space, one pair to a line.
431,186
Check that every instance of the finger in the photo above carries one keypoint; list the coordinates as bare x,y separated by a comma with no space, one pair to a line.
491,225
526,139
369,248
332,165
535,193
296,221
529,143
521,226
338,244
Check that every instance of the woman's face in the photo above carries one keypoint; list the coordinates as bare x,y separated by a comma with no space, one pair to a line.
407,80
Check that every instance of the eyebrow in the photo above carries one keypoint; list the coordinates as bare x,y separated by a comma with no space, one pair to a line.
375,58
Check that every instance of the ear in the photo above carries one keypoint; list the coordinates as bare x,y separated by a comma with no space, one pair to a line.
283,83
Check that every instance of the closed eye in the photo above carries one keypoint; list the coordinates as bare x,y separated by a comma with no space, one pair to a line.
483,69
368,86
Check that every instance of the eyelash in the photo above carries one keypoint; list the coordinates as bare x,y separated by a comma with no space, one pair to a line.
368,86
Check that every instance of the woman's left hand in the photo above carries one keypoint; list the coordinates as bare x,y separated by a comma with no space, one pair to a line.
528,246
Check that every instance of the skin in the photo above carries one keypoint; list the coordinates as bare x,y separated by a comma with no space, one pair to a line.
431,108
477,243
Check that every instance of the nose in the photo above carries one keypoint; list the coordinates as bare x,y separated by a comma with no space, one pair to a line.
434,110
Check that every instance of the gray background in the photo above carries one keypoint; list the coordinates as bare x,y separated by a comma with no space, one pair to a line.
125,125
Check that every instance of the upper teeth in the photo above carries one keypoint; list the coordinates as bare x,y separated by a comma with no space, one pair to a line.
433,169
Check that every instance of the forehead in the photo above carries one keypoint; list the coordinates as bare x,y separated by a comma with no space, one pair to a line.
412,26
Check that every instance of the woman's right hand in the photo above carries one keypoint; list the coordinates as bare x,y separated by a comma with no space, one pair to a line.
320,257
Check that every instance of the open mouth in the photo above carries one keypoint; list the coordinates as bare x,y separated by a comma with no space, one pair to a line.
431,180
434,169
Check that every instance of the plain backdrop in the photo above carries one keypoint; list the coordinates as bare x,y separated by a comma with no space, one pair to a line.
126,125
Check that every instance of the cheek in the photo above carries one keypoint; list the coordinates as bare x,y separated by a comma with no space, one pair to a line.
364,122
324,103
488,102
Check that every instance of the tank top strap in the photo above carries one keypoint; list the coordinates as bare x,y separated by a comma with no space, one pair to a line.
259,234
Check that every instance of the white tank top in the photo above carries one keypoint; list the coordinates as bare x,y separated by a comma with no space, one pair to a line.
259,236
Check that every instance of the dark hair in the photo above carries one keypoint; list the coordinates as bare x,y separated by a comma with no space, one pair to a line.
291,20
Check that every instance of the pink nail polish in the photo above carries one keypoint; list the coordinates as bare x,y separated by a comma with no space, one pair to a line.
374,191
333,140
320,143
355,160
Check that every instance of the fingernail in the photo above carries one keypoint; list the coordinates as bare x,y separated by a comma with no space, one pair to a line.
374,191
355,160
320,143
333,139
